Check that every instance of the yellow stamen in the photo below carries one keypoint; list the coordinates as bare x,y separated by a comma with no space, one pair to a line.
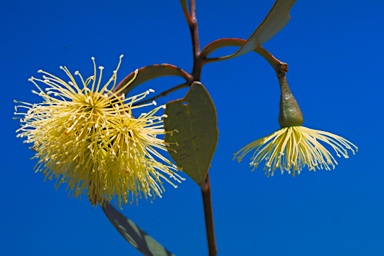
292,148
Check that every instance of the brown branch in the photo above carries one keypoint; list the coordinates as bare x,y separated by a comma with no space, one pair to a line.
196,74
208,214
279,66
194,30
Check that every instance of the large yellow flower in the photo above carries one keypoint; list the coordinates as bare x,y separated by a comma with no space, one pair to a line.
292,148
85,135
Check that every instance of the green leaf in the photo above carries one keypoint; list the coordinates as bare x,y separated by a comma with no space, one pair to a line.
150,72
133,234
276,19
192,133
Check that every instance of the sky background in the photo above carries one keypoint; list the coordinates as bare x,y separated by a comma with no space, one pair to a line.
334,50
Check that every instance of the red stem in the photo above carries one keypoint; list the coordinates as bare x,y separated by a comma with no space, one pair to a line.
196,73
194,30
208,214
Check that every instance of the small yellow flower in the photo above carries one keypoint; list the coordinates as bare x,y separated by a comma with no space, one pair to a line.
292,148
85,135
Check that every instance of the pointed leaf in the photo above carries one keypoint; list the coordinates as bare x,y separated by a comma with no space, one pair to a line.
192,132
186,11
276,19
133,234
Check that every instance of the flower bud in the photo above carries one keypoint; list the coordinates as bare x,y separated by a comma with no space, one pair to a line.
290,113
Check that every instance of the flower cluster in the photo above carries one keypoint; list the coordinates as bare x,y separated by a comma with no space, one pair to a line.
85,135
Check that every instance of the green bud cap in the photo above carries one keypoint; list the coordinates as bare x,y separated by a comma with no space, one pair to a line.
290,113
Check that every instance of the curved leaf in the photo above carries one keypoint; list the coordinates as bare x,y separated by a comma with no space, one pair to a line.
133,234
276,19
150,72
192,133
185,10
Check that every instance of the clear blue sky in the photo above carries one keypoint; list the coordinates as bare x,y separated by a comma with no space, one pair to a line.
334,50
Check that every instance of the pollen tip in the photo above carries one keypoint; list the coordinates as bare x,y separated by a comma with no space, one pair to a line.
154,103
151,90
101,67
92,58
121,56
77,72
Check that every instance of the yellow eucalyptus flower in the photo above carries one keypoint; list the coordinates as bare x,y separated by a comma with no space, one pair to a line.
85,135
292,148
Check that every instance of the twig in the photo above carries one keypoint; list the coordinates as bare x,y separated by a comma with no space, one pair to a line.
208,214
164,93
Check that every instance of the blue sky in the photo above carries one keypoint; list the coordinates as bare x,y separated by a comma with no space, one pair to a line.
334,52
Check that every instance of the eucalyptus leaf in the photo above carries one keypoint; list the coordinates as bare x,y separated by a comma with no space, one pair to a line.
150,72
275,20
134,234
191,132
